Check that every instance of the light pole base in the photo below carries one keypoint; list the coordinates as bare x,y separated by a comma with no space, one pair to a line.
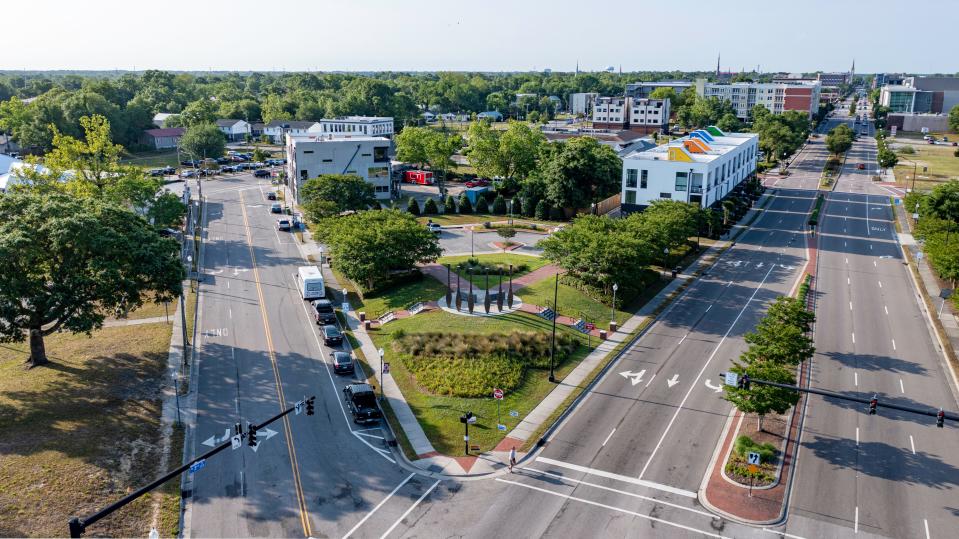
552,379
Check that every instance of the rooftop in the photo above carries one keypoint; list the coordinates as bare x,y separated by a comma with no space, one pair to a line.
336,138
167,132
359,119
700,146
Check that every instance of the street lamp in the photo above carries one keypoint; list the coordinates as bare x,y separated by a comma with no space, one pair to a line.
471,243
665,260
612,311
552,346
382,353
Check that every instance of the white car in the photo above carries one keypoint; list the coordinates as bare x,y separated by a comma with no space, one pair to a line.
435,228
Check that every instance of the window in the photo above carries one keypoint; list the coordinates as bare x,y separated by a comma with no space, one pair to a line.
631,178
643,176
379,173
630,197
380,154
665,195
327,160
381,188
682,178
304,174
307,151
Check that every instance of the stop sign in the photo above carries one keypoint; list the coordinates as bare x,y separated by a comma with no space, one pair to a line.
497,393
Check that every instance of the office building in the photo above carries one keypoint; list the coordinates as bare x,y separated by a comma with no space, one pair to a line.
373,126
368,157
776,97
642,90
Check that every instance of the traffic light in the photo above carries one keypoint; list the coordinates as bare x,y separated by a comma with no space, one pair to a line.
873,404
745,380
940,418
251,435
309,406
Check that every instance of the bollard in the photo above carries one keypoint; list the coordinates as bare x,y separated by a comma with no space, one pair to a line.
602,334
612,327
362,316
366,324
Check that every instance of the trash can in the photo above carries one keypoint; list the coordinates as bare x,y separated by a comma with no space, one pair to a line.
366,324
612,327
602,334
362,316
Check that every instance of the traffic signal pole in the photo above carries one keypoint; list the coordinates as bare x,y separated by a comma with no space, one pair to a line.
78,526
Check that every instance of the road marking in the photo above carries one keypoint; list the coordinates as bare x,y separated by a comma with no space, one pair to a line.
651,379
880,284
673,381
611,508
854,338
729,283
855,378
623,478
231,313
410,510
901,386
850,305
847,260
298,486
857,436
885,309
228,285
683,339
926,524
608,437
894,344
701,371
368,435
388,496
784,534
912,444
875,264
640,496
708,308
856,525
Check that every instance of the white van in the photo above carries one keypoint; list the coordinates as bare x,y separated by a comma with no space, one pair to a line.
310,282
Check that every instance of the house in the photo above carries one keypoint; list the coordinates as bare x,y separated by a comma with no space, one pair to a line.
701,168
8,145
160,118
368,157
492,115
162,139
256,129
235,130
373,126
278,129
453,117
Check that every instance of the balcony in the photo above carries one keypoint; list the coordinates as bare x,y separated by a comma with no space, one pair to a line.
696,189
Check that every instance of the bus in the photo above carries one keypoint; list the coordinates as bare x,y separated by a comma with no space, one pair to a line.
309,281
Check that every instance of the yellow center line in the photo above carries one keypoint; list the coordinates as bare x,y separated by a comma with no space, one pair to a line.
288,432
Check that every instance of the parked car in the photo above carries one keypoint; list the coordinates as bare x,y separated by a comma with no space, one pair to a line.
155,172
323,312
276,208
332,335
343,363
168,170
362,403
861,166
222,160
190,163
435,228
478,182
227,168
262,173
189,173
284,225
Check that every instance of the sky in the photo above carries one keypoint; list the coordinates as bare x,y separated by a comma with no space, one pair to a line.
480,35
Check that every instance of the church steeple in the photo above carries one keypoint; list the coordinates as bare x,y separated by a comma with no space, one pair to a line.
717,65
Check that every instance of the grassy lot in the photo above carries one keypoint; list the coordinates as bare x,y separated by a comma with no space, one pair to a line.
942,165
427,289
502,259
572,302
82,432
474,218
439,415
152,159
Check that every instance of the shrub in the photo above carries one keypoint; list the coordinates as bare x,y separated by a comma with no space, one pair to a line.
376,205
506,233
542,210
499,205
482,206
449,207
528,207
413,206
745,445
466,207
474,266
430,207
555,214
906,150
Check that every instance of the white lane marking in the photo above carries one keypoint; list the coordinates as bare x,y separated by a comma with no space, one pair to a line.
847,260
857,435
848,281
854,338
640,496
708,308
912,444
388,496
880,284
850,305
683,339
885,309
410,510
608,437
701,371
651,379
856,525
784,534
926,524
894,344
369,435
611,508
228,285
230,312
729,283
855,378
901,386
870,247
623,478
874,264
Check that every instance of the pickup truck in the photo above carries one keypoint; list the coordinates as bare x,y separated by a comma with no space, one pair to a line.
362,402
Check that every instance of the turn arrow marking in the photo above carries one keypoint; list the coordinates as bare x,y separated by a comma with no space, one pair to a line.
673,381
634,377
212,441
717,389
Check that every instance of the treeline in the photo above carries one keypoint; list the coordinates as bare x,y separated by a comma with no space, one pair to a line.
938,225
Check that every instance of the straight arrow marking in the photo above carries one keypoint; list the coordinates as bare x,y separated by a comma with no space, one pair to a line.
673,381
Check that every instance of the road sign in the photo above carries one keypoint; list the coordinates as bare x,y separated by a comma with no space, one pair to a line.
298,407
498,394
501,427
197,466
235,441
753,458
471,420
513,413
386,367
732,379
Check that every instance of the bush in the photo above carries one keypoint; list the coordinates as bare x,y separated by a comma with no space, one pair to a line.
908,150
449,206
745,445
499,205
542,210
430,207
482,206
476,267
555,214
466,207
528,207
376,205
413,206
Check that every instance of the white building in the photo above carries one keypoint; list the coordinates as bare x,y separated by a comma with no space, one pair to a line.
235,130
582,103
642,115
701,168
160,118
373,126
776,97
278,129
312,155
610,112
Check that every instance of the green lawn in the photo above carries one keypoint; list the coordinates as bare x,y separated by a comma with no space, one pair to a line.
439,415
941,165
572,302
503,259
152,159
401,297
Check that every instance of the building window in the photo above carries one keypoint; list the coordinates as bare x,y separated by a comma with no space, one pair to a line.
665,195
643,177
304,174
682,178
379,173
381,188
631,178
630,197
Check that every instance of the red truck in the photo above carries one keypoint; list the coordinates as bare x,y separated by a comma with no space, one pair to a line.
420,177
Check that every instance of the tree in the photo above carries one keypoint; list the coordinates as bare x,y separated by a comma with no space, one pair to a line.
852,108
430,207
887,158
259,155
839,139
166,211
203,141
542,210
499,205
330,194
729,123
412,145
507,154
943,203
761,399
667,224
449,206
369,247
412,206
68,262
482,206
580,171
507,233
666,92
199,112
466,207
954,118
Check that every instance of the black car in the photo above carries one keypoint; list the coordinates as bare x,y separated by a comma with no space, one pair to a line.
332,335
262,173
168,170
342,363
323,312
362,402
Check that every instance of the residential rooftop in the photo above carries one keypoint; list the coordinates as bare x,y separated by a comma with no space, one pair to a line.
702,146
336,138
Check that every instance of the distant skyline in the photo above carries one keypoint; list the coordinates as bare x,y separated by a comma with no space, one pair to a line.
492,35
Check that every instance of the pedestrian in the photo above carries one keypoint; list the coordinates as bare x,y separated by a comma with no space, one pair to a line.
512,458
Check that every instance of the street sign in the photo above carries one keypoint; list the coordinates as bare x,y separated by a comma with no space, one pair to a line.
498,394
471,420
513,413
466,438
235,441
298,407
501,427
386,367
732,379
197,466
753,458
